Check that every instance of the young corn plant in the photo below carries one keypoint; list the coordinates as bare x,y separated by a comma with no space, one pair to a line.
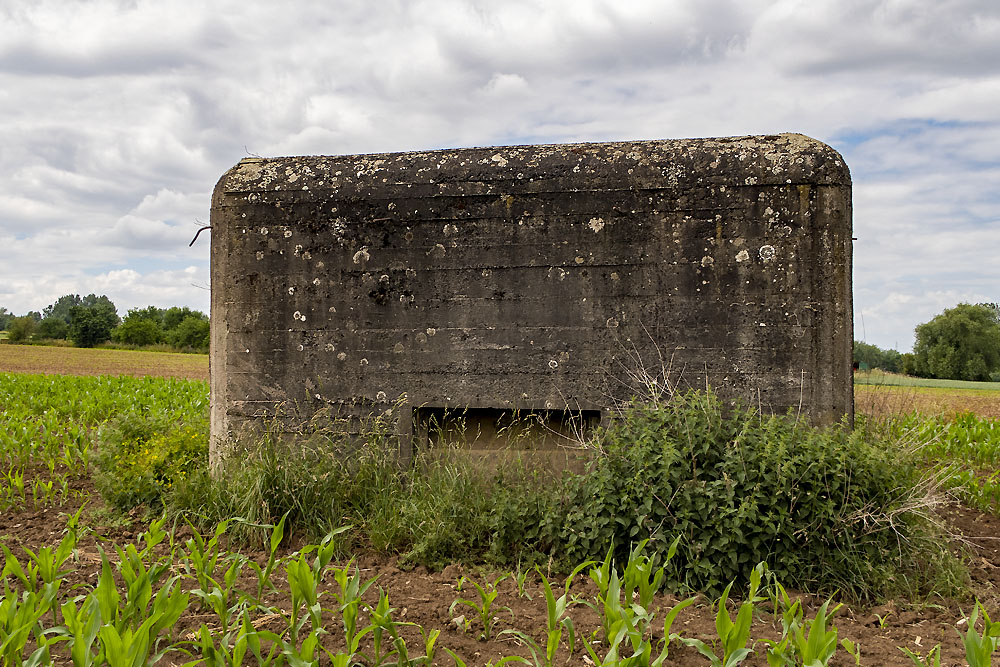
403,658
130,647
557,620
306,654
814,646
853,649
502,661
223,598
733,636
632,625
20,622
80,627
304,579
247,642
484,607
520,581
931,659
234,647
199,557
264,574
642,577
382,629
979,648
303,585
639,583
351,587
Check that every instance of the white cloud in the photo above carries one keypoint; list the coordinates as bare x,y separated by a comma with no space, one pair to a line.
117,118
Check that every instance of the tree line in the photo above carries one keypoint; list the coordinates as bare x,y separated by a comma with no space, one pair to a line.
962,343
93,320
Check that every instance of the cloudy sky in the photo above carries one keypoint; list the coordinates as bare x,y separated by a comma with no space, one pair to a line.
117,118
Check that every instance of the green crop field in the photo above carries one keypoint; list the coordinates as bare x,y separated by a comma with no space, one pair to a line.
119,550
881,378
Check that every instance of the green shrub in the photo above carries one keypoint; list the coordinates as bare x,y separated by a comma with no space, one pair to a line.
141,459
826,508
21,329
137,331
192,332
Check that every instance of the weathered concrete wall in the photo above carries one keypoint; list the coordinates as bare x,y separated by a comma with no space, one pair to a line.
531,277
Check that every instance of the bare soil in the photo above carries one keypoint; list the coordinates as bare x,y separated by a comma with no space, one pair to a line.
890,401
98,361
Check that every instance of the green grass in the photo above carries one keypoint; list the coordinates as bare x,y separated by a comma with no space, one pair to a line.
878,377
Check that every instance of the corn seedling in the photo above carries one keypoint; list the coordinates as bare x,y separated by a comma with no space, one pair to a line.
732,635
640,576
80,628
129,648
247,641
931,659
220,598
221,655
502,661
799,646
43,567
520,581
351,589
484,607
556,619
200,557
303,586
264,575
979,648
19,623
403,658
633,626
381,623
853,650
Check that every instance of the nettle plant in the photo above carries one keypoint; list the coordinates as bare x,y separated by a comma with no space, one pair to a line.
836,510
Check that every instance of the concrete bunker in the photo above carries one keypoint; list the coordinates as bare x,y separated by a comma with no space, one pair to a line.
548,281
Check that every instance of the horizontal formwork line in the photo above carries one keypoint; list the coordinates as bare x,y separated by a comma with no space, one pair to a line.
519,189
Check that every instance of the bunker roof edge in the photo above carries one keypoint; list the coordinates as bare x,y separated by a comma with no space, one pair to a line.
788,158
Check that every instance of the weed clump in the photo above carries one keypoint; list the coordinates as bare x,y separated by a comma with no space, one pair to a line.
827,508
141,458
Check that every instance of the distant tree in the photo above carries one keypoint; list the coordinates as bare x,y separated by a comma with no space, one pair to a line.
962,343
92,324
993,308
5,317
21,329
138,331
172,317
141,326
60,309
53,327
151,313
872,356
193,332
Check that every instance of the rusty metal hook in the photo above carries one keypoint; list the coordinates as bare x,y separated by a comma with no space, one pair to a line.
198,232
